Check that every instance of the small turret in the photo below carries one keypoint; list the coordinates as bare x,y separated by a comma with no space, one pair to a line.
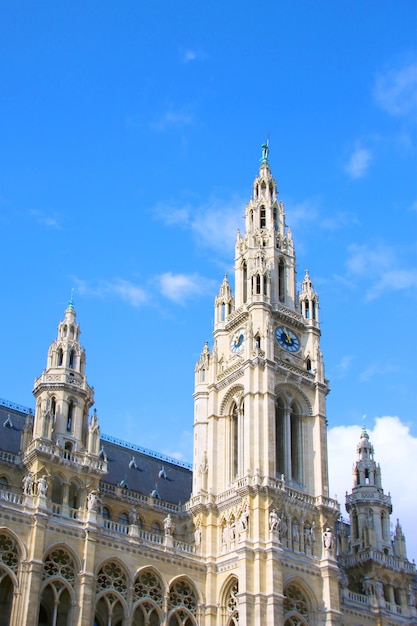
224,302
63,397
308,300
368,506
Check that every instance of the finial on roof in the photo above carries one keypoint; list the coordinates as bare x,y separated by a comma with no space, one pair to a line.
364,423
265,152
71,300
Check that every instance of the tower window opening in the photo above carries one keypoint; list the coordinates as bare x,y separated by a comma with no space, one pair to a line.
265,286
308,364
53,406
64,330
262,217
314,315
258,284
257,341
72,332
234,443
271,191
71,363
60,357
281,280
366,476
245,283
223,312
70,416
307,309
275,220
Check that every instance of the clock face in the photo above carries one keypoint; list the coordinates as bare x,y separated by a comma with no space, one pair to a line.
237,341
287,339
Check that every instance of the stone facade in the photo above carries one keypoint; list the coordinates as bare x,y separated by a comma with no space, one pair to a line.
92,530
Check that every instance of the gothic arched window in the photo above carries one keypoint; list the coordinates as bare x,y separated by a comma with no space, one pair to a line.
295,607
245,283
234,440
232,602
72,356
258,285
281,280
262,217
288,441
70,415
183,604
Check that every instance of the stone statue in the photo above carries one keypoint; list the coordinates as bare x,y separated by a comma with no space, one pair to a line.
274,520
244,520
197,536
42,485
28,484
327,538
379,589
92,500
133,516
296,532
168,525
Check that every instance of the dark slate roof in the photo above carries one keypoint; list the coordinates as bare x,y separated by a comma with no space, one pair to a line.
12,421
172,480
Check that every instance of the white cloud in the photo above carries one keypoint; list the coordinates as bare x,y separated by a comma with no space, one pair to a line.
395,451
366,260
124,289
172,119
341,368
190,54
45,220
393,280
379,265
396,91
179,287
359,162
376,369
214,223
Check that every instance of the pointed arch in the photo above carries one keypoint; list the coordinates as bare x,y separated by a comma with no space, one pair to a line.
111,593
235,394
229,601
57,597
11,551
299,603
148,597
183,602
291,407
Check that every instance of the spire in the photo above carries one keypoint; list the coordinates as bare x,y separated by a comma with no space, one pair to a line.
224,303
265,152
71,301
308,300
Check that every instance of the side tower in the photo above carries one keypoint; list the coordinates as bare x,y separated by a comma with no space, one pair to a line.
260,423
60,432
63,466
375,563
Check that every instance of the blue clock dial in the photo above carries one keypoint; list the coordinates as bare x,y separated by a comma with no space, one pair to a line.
287,339
237,341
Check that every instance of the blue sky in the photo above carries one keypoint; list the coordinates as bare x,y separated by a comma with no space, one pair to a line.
130,138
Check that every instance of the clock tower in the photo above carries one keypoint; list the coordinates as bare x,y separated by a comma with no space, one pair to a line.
260,424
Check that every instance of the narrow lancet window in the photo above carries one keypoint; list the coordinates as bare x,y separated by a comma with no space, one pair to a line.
281,280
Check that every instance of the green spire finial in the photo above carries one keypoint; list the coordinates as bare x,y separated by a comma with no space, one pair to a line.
364,422
71,300
265,151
